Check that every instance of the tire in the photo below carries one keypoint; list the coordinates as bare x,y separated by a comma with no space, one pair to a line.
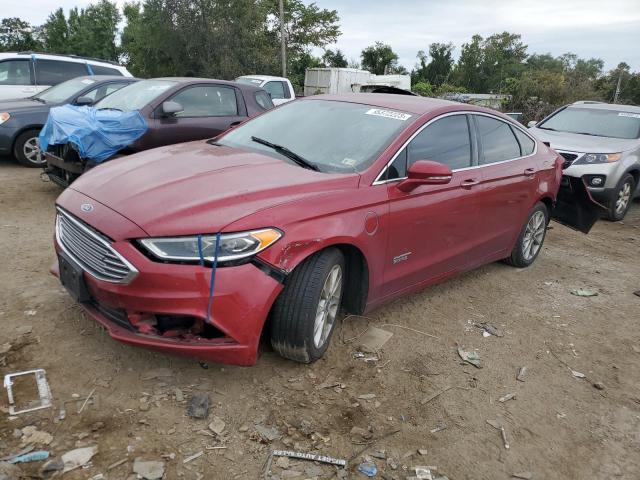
621,199
293,324
531,238
23,150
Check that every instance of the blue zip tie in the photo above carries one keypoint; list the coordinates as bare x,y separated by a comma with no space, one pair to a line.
213,277
89,69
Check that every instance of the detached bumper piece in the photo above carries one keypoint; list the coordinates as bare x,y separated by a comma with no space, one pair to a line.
575,207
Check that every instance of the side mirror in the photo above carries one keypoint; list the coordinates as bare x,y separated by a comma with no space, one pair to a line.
171,108
532,123
425,172
84,101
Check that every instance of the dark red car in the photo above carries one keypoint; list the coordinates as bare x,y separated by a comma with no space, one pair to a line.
323,204
175,109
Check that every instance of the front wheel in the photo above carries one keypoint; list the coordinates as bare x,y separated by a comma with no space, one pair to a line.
531,238
305,312
621,200
27,149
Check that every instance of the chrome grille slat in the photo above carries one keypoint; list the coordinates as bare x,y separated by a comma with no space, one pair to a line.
91,250
70,231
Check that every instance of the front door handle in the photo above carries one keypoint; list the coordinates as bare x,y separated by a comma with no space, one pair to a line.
529,172
469,182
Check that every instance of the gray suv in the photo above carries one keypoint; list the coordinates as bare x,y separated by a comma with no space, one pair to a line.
601,144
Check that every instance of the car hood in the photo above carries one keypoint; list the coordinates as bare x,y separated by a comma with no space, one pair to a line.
23,105
196,187
575,142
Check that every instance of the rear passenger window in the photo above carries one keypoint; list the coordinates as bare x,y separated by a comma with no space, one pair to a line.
526,144
264,100
446,141
15,72
100,70
497,140
207,101
53,72
275,89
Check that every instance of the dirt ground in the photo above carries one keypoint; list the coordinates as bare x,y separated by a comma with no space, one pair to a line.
558,426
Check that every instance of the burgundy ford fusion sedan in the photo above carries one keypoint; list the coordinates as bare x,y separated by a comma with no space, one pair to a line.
325,204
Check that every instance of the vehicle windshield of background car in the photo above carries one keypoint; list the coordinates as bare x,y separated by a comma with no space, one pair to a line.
337,137
596,122
249,81
134,96
64,90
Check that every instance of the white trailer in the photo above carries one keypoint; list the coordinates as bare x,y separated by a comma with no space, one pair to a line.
398,81
334,80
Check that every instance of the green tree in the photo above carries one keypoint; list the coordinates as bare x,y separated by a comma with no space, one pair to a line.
334,59
17,35
423,89
437,71
467,70
380,58
56,33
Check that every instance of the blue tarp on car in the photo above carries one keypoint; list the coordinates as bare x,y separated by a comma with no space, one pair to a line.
97,134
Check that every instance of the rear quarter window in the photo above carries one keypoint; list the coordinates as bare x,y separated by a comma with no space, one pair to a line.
527,146
100,70
264,100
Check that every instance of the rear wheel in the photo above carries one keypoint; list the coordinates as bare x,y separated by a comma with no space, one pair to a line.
531,238
305,313
27,149
621,199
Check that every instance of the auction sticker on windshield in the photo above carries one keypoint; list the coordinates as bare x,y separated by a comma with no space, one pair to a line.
388,114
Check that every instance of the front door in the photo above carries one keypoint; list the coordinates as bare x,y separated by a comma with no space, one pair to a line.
208,110
432,228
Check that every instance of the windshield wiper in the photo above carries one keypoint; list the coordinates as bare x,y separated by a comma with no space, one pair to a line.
110,108
590,134
547,128
288,153
38,99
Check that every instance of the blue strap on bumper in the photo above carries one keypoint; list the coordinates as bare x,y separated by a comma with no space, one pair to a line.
214,267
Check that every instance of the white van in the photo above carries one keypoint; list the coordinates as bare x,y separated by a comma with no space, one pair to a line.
25,74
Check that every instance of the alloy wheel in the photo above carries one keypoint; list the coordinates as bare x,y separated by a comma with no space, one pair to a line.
624,197
327,306
31,150
533,235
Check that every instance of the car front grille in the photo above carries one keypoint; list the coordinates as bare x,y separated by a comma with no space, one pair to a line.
92,251
569,158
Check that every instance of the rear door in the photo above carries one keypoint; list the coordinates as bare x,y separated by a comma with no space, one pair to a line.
431,228
509,184
208,110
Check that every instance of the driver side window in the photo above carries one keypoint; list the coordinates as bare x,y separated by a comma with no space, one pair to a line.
445,141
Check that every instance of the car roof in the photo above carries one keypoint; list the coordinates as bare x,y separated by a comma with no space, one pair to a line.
262,77
606,106
405,103
103,78
188,80
58,56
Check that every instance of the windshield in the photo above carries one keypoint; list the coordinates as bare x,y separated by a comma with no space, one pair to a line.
249,81
135,96
595,121
65,90
334,136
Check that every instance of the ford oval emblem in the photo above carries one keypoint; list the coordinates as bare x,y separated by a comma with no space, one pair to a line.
86,207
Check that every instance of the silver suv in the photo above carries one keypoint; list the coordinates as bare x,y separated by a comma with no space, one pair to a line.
601,144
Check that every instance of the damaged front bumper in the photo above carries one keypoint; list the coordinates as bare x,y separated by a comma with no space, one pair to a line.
164,307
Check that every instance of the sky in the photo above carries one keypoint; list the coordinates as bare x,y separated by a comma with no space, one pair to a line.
607,29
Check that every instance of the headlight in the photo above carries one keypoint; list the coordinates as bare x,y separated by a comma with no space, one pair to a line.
591,158
233,246
4,116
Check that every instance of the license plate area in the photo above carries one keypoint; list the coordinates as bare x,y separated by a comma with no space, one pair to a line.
72,278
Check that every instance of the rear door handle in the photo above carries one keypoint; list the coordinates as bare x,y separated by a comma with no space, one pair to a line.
469,182
233,124
529,172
